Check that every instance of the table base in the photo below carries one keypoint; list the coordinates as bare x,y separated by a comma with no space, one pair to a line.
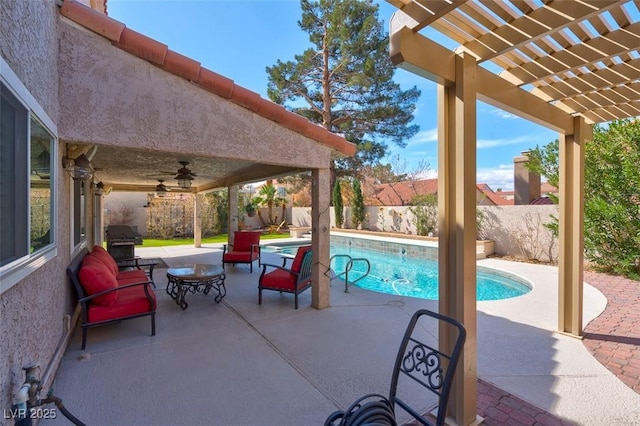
178,288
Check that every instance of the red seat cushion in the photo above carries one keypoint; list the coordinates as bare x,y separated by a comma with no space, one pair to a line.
100,253
279,279
95,277
131,301
240,257
132,276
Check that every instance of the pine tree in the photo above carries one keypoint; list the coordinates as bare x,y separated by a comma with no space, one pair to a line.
344,81
337,204
357,207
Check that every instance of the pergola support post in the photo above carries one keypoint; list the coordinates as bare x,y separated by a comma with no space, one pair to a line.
197,219
320,237
98,219
232,224
457,230
571,227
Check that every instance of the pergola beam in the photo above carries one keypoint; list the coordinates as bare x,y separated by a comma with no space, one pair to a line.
415,53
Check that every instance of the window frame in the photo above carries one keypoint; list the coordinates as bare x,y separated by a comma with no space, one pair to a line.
17,270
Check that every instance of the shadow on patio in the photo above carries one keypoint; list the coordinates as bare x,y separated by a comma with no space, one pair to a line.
238,363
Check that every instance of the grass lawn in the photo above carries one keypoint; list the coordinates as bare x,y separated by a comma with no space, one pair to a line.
222,238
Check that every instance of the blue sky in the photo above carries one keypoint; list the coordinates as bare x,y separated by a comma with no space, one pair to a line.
240,38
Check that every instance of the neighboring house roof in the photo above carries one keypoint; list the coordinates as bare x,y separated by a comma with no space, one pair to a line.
401,193
545,189
542,201
492,196
161,56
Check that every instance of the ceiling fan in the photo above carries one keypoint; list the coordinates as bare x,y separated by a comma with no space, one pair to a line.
184,175
161,188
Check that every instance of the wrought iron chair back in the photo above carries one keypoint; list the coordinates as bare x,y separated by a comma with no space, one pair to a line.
428,366
304,275
418,364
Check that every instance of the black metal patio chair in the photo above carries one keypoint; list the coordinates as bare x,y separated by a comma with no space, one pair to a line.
419,366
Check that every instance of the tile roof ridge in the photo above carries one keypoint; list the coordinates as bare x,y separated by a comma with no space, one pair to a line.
160,55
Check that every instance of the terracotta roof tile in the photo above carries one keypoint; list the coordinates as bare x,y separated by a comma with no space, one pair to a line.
215,83
93,20
317,132
245,97
272,111
158,54
297,123
492,196
142,46
182,66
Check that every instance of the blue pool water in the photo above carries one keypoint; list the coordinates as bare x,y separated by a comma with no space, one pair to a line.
414,277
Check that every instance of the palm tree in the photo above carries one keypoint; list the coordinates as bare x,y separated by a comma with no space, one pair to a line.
268,196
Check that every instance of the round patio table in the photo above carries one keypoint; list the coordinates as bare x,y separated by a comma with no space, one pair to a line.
195,278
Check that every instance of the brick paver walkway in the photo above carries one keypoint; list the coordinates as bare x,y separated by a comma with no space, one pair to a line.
613,338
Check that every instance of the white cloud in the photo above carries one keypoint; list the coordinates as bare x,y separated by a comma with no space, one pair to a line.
425,136
500,177
492,143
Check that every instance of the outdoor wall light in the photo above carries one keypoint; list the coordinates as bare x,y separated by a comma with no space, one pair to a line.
99,189
78,169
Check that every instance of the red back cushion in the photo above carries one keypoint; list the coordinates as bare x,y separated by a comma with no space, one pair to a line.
101,254
297,261
243,240
95,277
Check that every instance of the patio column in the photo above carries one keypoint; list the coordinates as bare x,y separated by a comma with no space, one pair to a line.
98,219
571,223
320,237
232,221
457,229
197,219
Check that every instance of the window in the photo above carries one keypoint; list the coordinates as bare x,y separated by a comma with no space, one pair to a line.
40,199
13,179
28,148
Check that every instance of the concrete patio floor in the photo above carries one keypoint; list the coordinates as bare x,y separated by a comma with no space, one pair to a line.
239,363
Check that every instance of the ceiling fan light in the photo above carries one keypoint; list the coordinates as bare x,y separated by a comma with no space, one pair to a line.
184,181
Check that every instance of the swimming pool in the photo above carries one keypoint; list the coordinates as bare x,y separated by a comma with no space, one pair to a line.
393,271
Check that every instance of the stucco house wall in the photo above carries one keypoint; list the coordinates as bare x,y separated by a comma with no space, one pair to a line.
162,111
32,312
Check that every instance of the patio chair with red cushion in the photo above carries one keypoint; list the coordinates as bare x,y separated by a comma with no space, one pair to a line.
294,280
245,249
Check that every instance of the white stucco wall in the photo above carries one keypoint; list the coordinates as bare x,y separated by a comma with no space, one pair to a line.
512,228
32,311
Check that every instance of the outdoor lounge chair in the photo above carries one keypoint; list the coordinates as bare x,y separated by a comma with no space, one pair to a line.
294,280
419,366
245,249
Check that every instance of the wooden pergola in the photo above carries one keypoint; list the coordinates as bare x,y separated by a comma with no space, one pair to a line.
565,65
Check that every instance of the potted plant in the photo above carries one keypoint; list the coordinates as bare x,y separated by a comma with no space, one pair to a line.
250,209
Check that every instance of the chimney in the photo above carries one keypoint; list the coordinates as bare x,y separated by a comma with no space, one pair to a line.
526,184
